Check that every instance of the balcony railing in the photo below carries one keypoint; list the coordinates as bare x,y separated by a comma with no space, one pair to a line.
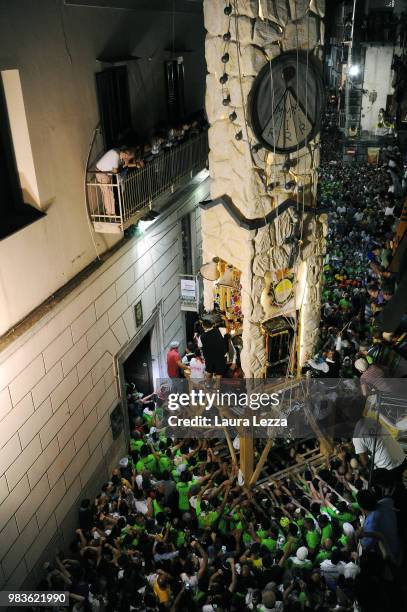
116,202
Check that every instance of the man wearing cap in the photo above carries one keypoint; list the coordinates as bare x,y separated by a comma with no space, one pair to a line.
373,377
301,561
174,361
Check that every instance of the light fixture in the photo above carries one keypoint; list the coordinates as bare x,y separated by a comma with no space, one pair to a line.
227,36
226,101
239,135
354,70
225,58
210,271
223,79
233,116
228,10
143,224
227,279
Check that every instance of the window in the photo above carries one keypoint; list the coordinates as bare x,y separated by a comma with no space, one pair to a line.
14,213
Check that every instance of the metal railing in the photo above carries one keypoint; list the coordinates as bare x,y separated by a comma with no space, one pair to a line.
117,200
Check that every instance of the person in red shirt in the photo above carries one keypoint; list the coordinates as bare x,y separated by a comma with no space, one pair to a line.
174,362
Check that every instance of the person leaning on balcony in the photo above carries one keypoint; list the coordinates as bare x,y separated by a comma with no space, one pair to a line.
112,163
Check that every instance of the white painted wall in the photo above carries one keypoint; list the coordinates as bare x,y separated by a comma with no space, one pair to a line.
58,385
377,77
54,47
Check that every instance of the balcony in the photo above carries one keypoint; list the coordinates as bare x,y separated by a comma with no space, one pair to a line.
133,195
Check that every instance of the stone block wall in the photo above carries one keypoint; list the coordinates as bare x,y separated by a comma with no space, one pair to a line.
58,386
259,31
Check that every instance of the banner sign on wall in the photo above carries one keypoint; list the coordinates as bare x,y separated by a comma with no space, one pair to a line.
189,293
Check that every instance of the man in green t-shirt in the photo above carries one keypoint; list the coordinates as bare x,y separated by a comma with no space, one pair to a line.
165,462
326,527
147,461
311,535
206,515
183,487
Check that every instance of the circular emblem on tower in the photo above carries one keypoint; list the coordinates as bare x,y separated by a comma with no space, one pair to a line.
285,103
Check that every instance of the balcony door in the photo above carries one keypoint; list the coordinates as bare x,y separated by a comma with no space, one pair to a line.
114,105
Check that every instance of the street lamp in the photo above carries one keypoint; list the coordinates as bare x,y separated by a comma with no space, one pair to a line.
354,70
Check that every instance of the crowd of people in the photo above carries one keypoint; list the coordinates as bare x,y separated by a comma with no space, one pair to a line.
175,528
364,203
214,351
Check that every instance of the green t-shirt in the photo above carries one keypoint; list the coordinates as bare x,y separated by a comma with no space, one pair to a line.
148,418
269,543
303,599
329,511
345,517
164,463
180,538
321,556
312,539
147,463
156,507
326,533
140,466
183,490
136,444
205,519
175,475
344,540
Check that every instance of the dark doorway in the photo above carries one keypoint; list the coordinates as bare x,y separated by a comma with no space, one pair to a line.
137,367
114,105
190,319
174,70
279,339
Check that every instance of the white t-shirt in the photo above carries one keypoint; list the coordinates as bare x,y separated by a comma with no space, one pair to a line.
351,570
191,580
331,571
197,368
141,506
388,452
109,161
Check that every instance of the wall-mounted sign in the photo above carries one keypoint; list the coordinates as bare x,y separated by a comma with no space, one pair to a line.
285,102
189,293
138,311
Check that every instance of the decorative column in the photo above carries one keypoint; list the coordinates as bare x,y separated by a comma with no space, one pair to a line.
262,217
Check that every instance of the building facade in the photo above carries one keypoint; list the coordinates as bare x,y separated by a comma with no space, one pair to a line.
63,351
